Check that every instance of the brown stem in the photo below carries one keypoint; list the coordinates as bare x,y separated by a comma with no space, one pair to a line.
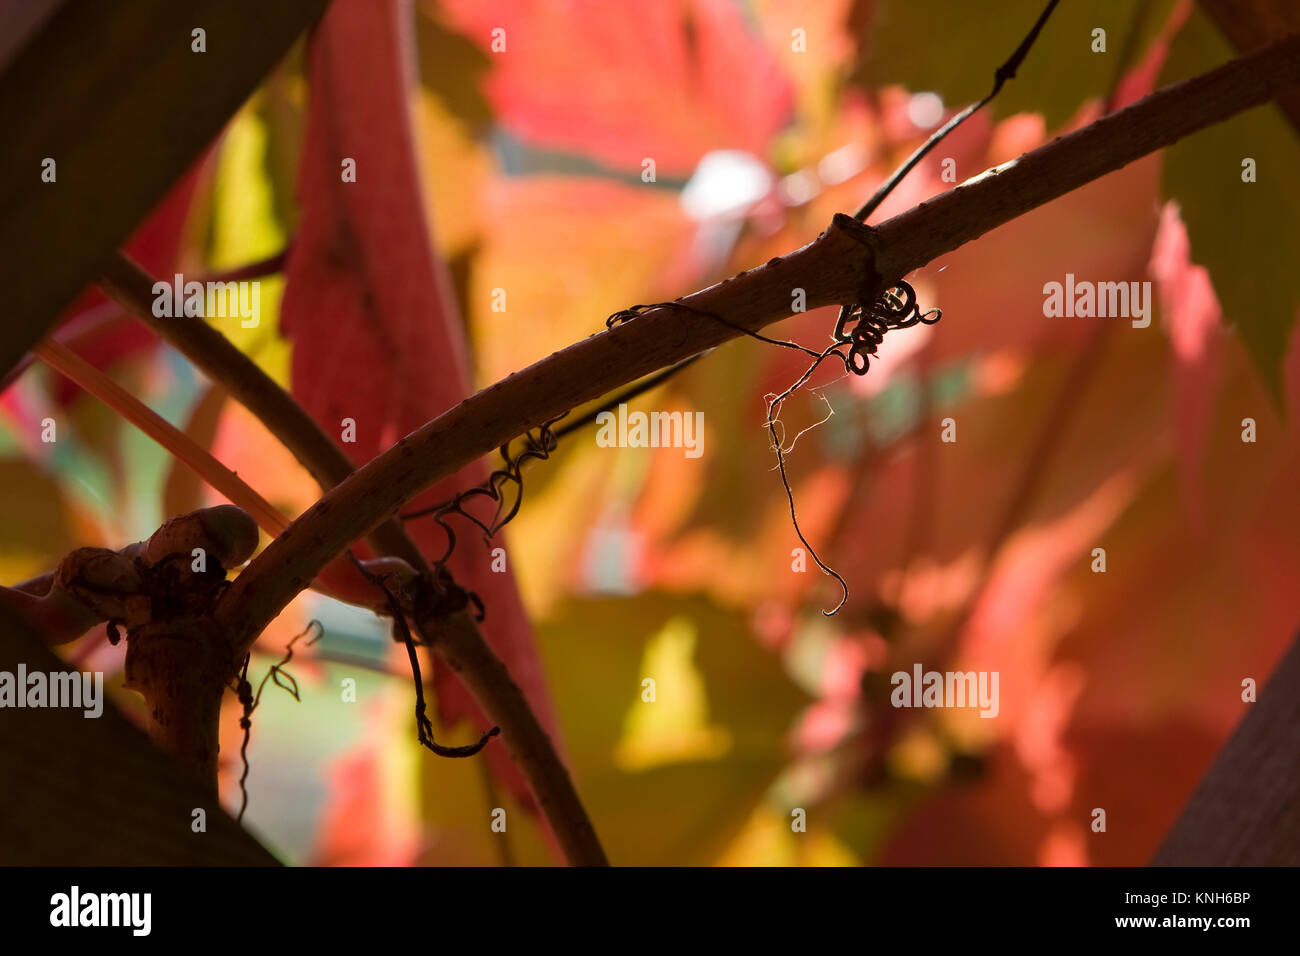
56,616
69,364
836,268
340,580
457,640
271,265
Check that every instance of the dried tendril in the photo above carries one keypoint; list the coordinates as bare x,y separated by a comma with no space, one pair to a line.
249,701
397,609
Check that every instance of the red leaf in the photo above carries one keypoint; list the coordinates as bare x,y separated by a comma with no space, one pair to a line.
369,305
358,826
621,84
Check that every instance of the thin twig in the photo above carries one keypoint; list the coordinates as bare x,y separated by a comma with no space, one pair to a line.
1005,72
525,737
271,265
184,448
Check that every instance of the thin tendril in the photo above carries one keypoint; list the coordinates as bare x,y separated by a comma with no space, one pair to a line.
536,447
249,700
773,412
773,415
402,633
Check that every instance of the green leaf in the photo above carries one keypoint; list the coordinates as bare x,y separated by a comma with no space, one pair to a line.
732,710
452,67
955,50
246,227
1253,266
39,527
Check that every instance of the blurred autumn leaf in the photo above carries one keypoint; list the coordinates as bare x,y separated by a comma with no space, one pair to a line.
620,89
1240,230
38,526
452,67
671,789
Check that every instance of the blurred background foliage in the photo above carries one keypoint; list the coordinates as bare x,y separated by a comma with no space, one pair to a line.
763,118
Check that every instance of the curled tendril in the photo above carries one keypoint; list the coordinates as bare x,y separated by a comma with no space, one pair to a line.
894,308
402,633
536,447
